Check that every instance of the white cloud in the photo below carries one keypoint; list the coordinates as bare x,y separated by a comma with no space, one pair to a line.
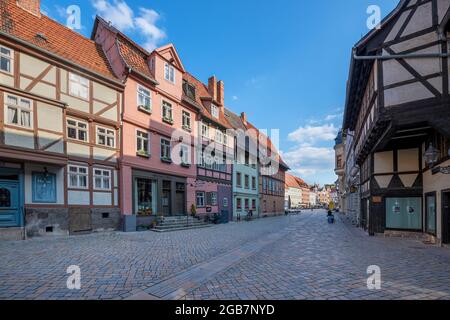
119,13
124,19
309,135
235,98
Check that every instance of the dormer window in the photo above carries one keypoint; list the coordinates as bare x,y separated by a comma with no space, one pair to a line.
215,111
169,73
189,90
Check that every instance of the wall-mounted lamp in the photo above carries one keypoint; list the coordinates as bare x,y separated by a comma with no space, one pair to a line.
431,156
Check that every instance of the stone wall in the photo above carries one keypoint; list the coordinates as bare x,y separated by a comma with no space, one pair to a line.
55,221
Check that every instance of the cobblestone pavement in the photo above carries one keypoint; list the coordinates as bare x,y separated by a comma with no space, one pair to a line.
296,257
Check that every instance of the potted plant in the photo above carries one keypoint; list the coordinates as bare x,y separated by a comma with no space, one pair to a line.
193,211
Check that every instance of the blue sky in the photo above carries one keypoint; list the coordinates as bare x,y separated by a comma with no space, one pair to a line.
284,63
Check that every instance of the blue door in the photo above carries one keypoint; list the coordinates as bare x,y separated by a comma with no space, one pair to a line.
9,204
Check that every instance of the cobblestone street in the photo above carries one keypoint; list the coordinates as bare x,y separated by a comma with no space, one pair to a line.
296,257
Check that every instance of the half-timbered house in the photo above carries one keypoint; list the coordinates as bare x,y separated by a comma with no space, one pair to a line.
157,120
59,127
398,106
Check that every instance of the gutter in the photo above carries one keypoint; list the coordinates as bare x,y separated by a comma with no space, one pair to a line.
57,57
402,56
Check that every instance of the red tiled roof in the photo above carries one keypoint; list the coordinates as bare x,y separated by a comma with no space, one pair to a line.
55,38
291,181
134,57
202,92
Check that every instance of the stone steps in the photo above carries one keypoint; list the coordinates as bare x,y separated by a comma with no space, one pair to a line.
179,223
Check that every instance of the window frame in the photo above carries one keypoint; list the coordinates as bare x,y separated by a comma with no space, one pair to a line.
147,152
185,115
102,177
203,197
142,107
78,174
165,104
10,58
165,146
253,183
205,133
77,129
185,154
246,181
169,72
19,109
215,111
79,82
106,136
239,179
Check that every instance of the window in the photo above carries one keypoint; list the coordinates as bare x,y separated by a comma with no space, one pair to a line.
219,136
189,90
78,177
144,99
165,150
186,121
102,179
145,197
205,131
185,155
200,199
18,111
44,187
169,73
142,143
77,130
247,182
253,183
215,111
225,139
239,179
167,112
404,213
239,204
106,137
254,204
247,204
6,59
431,214
78,86
214,198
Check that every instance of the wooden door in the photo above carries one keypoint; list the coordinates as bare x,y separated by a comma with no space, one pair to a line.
80,220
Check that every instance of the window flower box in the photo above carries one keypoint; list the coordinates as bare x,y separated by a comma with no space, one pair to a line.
143,154
144,109
166,160
168,120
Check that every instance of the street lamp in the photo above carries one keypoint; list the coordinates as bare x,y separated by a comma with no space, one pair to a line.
431,156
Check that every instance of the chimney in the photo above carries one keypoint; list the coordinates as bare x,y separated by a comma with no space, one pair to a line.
244,117
221,93
212,87
32,6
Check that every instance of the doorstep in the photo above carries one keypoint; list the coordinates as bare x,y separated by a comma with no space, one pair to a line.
12,234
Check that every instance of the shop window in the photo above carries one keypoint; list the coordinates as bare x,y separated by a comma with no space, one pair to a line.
144,197
239,204
44,187
404,213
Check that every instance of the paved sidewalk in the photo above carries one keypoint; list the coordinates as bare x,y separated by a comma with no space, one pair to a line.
296,257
